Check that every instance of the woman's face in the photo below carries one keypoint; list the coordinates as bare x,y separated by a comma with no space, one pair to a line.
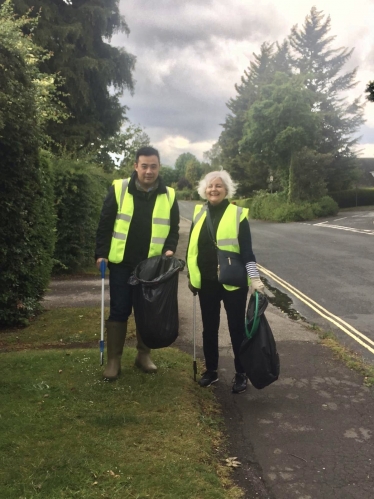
215,191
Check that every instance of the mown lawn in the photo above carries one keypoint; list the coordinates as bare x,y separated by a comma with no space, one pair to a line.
65,433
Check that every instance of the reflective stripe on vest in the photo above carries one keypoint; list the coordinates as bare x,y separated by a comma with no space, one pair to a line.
227,238
160,221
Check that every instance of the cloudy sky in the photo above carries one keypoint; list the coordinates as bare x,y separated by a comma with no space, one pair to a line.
190,54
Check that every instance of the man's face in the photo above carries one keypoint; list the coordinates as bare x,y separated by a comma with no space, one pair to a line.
147,168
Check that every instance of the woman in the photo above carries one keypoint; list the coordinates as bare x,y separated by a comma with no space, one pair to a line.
202,263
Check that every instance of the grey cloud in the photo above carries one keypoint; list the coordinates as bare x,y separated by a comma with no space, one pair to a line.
185,72
182,23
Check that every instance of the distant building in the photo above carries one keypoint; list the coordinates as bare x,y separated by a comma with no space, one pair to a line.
366,165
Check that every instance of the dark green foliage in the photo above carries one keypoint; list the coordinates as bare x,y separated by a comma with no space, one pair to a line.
264,132
26,206
370,91
79,193
169,175
77,32
354,197
181,163
276,208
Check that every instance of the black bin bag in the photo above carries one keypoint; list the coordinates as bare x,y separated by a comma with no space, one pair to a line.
258,352
155,300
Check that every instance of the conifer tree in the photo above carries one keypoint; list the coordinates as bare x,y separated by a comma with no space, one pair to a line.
77,33
314,56
250,170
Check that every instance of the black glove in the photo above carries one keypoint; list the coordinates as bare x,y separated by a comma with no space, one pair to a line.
191,288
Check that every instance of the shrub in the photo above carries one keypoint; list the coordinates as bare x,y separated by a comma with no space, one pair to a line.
354,197
79,193
244,203
275,208
187,195
26,207
27,233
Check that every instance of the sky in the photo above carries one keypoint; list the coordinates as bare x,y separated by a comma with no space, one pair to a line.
191,53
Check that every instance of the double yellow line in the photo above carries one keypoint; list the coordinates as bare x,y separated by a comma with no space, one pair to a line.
337,321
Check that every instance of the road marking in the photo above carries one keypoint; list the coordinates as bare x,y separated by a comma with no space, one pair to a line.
341,227
337,321
336,219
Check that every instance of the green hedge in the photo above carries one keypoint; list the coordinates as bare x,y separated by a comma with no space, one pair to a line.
79,193
244,203
27,232
26,205
354,197
275,208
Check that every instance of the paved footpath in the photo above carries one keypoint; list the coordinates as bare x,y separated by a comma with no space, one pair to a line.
310,435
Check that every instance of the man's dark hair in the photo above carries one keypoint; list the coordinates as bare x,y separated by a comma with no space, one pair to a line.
147,151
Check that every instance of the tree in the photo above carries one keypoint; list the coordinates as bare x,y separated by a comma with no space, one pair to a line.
280,125
213,157
370,91
193,171
168,174
181,163
261,71
314,56
76,33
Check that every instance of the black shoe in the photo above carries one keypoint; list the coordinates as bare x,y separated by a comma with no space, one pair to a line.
239,383
208,378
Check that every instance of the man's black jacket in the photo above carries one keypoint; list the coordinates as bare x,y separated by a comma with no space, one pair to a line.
139,235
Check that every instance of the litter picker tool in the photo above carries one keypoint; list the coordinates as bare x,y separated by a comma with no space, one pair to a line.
102,270
194,338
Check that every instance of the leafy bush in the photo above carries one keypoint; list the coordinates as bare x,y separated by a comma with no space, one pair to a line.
27,234
244,203
275,208
354,197
187,195
79,193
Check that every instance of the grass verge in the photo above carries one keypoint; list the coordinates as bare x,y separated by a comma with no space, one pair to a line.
351,359
66,433
58,328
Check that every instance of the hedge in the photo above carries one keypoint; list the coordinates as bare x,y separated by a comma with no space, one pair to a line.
354,197
275,208
79,190
27,232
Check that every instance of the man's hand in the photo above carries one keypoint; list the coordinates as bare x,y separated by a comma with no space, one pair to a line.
169,253
99,260
192,288
256,285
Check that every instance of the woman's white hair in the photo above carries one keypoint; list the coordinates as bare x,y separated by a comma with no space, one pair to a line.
227,181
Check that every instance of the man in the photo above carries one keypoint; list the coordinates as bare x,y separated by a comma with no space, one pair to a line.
139,219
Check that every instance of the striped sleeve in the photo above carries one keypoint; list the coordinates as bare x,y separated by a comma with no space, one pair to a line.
252,269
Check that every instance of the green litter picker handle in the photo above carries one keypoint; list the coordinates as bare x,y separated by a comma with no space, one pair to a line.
256,320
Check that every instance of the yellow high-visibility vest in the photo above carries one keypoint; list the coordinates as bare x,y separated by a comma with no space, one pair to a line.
227,238
160,221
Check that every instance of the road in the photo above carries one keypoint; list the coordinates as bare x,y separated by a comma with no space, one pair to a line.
331,262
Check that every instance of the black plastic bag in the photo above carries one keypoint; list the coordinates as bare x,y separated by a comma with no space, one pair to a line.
155,300
258,353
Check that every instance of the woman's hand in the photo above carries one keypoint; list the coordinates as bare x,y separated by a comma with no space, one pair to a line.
256,285
169,253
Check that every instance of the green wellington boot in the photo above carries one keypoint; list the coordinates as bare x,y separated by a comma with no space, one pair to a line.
116,334
143,360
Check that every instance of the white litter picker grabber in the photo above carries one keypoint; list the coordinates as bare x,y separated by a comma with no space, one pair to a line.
102,270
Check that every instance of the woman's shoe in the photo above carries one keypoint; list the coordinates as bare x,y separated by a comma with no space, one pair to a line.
239,383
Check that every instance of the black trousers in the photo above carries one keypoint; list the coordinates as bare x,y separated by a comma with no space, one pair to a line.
210,295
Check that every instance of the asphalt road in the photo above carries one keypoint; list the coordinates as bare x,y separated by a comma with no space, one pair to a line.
331,261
